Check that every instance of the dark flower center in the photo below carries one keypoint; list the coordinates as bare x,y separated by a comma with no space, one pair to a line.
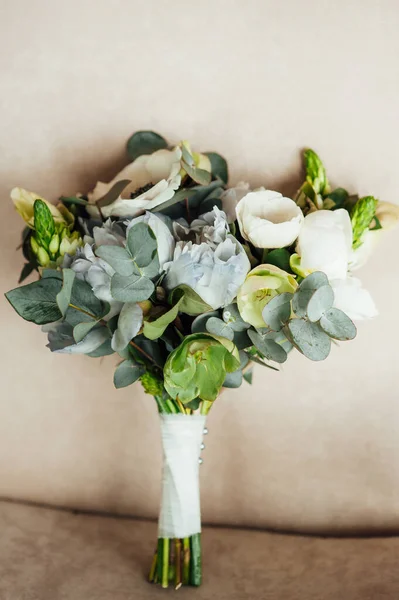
141,190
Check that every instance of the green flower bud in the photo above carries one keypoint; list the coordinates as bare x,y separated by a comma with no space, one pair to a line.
152,384
316,173
34,245
361,216
43,223
54,244
42,257
261,285
198,367
69,243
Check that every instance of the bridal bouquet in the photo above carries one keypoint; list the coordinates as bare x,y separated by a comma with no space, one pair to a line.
190,283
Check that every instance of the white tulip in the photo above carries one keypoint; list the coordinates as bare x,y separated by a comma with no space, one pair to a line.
153,177
325,242
353,299
165,240
268,220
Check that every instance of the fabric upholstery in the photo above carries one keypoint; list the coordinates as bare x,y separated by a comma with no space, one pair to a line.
55,555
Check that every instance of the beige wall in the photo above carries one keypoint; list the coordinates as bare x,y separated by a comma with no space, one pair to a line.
314,447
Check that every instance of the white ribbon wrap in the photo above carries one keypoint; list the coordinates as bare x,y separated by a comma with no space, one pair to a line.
180,514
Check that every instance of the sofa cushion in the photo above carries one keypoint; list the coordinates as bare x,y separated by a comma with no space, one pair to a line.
52,554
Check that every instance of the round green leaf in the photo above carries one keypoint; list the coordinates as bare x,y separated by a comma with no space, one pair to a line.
199,323
233,380
118,258
277,312
219,166
144,142
126,373
322,300
306,290
131,289
218,327
268,347
338,325
309,339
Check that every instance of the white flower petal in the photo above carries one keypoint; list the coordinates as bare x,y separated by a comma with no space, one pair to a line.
353,299
268,220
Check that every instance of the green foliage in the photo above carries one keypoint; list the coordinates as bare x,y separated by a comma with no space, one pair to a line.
43,223
145,142
198,367
131,289
64,296
304,293
154,329
191,304
152,384
280,257
231,316
362,215
82,329
233,380
268,347
337,325
218,327
198,175
126,373
336,199
277,312
248,376
309,339
219,166
320,301
37,301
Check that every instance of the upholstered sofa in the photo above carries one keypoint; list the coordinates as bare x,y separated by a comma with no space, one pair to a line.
300,480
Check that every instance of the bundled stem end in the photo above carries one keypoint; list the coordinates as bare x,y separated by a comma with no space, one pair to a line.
177,562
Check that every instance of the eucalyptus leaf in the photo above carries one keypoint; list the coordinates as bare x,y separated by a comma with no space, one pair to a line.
113,193
126,373
231,316
145,142
142,244
216,326
93,340
248,376
199,323
27,269
233,380
64,296
309,339
129,324
74,200
194,404
37,301
118,258
268,347
306,290
198,175
82,329
104,350
219,166
338,325
131,289
241,340
277,311
83,298
321,300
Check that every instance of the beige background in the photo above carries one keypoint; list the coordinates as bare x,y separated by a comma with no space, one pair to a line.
312,448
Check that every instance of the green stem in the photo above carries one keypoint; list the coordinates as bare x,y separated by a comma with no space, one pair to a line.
165,563
205,407
186,561
195,563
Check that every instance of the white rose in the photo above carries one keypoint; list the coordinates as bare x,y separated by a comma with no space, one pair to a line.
325,242
154,178
268,220
353,299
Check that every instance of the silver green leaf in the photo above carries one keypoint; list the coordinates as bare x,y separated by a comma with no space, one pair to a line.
64,296
277,312
268,347
131,289
233,380
142,244
216,326
118,258
145,142
338,325
231,316
309,339
82,329
199,323
321,300
126,373
306,290
36,302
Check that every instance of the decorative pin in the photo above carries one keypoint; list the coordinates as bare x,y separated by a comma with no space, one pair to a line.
205,430
200,460
202,446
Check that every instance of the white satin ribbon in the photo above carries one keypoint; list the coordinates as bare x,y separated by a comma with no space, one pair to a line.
180,514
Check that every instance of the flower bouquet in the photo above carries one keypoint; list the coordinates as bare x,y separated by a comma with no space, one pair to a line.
190,283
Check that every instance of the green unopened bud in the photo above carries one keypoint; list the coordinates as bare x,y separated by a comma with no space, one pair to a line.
152,384
42,257
43,222
34,245
361,216
54,244
316,173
